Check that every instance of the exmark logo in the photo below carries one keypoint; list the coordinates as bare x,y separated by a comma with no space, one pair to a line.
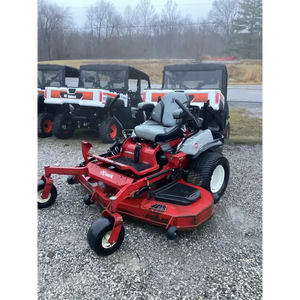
104,173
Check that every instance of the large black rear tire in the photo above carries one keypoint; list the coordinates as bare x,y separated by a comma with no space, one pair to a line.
210,171
59,122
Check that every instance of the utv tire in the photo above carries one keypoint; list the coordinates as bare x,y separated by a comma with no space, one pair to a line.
227,131
99,234
45,125
43,203
210,171
58,129
109,130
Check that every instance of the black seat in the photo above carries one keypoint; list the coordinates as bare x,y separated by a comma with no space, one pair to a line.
162,126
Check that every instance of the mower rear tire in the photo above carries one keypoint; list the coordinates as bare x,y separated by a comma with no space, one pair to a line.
43,203
58,124
99,234
109,130
45,125
210,171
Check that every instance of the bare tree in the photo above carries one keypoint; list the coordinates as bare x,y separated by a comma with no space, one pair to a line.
102,22
170,19
128,31
144,13
202,30
144,18
142,33
224,14
52,21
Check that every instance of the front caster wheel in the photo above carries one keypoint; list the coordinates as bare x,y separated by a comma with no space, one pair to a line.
172,233
87,199
43,203
70,179
99,234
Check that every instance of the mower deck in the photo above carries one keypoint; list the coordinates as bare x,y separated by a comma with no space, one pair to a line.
158,212
153,198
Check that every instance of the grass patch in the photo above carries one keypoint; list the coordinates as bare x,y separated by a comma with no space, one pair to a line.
246,72
245,129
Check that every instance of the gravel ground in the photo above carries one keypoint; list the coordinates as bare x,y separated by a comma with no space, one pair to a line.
220,260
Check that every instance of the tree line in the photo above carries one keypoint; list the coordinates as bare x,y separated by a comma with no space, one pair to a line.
232,27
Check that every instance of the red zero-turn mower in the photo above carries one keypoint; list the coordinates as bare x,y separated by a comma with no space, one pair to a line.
170,172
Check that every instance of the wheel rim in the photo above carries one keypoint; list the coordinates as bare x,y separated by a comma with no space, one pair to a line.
113,129
64,125
217,179
105,240
40,199
227,131
47,126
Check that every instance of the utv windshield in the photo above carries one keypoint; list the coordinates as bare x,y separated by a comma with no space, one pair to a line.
204,79
102,79
50,78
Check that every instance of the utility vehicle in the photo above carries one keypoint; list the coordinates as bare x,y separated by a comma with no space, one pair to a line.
88,105
52,75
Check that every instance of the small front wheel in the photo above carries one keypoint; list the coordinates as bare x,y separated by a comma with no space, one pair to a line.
70,179
43,203
99,234
172,233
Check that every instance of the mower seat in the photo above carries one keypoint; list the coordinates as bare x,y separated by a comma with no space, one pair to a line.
162,126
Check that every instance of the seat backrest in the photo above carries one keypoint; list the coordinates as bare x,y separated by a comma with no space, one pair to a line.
163,111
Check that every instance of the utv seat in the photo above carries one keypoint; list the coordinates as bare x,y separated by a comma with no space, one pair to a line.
162,126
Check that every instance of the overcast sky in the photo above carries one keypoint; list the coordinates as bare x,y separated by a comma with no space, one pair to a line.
196,8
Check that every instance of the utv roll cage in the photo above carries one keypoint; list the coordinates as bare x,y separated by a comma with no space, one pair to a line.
199,67
129,73
66,71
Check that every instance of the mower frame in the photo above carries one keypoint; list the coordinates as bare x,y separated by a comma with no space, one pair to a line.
152,188
121,203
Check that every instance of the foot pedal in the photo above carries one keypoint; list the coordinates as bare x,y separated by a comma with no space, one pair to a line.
137,150
176,193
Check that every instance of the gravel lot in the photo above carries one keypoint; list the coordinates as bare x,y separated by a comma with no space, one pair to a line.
220,260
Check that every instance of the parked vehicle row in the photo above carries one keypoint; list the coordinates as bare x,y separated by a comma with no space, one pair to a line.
70,98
